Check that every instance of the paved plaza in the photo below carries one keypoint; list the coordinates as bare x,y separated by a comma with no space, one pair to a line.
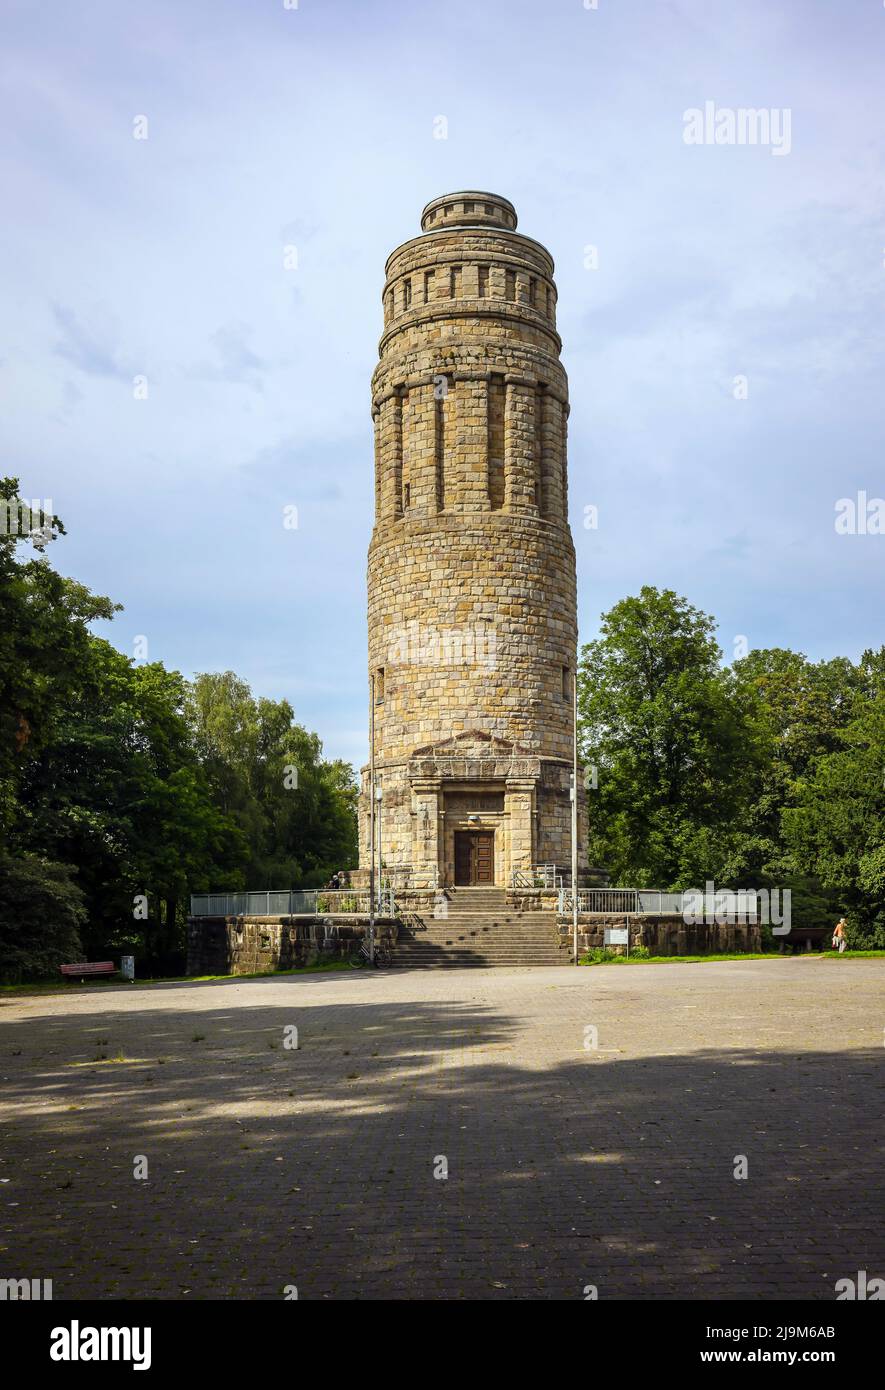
568,1165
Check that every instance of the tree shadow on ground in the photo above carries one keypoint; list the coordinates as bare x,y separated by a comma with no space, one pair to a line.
316,1167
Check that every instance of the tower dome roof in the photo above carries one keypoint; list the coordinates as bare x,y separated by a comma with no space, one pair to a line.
469,208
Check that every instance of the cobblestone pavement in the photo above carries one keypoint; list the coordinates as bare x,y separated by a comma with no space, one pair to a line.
567,1167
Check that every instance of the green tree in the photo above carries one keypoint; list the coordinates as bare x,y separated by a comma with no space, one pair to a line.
675,755
44,643
296,811
118,791
837,827
798,710
41,913
142,787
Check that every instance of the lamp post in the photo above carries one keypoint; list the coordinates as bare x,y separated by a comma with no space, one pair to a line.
372,817
378,798
575,820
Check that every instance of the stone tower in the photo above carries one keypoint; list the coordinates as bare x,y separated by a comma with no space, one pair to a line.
471,574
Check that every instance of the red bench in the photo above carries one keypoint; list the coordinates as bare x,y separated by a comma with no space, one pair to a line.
89,969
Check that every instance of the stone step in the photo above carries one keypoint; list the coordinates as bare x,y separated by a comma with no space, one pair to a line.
542,931
495,915
486,896
448,960
459,948
454,929
499,916
419,955
481,928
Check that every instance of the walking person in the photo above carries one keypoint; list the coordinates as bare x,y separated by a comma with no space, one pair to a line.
839,941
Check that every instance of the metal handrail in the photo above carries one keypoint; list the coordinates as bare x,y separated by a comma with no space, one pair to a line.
291,902
642,902
549,876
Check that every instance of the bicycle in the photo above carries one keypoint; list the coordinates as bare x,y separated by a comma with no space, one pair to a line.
363,957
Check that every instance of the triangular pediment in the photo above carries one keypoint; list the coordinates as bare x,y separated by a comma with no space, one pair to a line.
473,743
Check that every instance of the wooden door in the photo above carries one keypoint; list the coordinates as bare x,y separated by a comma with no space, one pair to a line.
483,857
474,857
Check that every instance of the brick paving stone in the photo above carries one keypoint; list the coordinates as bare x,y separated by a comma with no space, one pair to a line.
269,1167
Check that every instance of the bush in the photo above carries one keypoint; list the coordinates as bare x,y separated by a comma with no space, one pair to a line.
865,931
41,913
597,956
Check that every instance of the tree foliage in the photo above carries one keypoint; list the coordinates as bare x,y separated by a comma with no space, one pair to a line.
131,787
768,773
674,754
296,812
837,826
41,913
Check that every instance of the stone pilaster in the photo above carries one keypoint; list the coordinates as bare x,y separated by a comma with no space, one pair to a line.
426,832
420,450
520,447
471,486
519,803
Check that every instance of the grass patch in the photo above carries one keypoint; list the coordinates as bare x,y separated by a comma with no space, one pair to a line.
608,958
853,955
604,957
70,987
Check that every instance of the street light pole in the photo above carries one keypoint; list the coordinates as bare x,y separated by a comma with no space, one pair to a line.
575,819
371,817
378,798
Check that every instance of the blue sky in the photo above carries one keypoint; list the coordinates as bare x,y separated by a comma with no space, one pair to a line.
163,258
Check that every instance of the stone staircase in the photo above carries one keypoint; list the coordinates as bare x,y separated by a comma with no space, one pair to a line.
480,929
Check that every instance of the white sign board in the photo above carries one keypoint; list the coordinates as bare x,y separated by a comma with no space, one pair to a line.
616,936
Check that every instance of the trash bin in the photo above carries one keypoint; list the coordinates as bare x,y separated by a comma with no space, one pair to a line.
127,967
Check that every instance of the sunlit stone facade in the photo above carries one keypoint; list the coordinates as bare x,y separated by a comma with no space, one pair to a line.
471,571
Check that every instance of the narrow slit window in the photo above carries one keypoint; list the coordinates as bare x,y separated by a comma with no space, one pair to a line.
533,291
407,294
455,282
379,686
483,281
510,284
566,683
497,392
407,496
428,286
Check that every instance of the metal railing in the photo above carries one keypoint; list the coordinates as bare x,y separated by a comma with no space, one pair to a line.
740,904
292,902
549,876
